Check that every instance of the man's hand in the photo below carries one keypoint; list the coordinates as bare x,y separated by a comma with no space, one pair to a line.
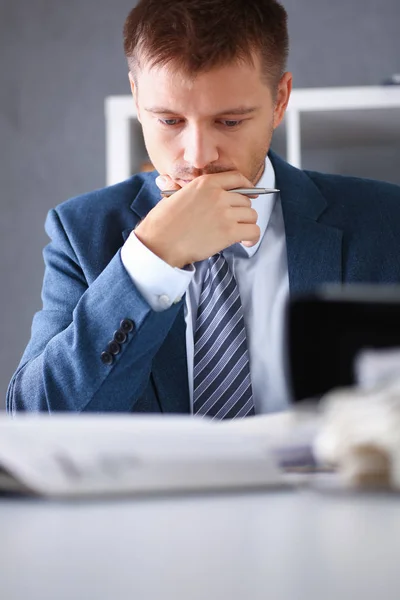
200,219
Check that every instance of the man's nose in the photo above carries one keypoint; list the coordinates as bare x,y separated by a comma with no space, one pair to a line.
200,149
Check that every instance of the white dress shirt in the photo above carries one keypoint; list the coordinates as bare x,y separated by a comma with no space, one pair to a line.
261,274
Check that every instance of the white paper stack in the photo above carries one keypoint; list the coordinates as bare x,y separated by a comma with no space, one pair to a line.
80,455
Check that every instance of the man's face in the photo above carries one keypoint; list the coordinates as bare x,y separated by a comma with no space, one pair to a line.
221,120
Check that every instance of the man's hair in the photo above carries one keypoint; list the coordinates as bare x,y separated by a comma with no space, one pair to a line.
197,35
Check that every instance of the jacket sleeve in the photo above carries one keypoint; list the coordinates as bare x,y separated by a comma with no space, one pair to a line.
61,368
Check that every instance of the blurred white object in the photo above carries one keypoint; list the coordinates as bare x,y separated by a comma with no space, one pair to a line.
377,366
360,434
84,455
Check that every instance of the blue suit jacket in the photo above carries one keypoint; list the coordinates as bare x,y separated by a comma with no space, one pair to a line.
338,229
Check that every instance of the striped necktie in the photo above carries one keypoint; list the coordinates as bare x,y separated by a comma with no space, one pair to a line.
221,377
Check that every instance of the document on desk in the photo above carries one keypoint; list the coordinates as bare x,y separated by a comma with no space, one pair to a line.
80,455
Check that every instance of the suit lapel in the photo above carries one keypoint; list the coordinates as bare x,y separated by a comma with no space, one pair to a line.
314,249
169,369
125,234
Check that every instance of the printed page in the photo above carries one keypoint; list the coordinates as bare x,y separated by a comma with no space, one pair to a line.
83,455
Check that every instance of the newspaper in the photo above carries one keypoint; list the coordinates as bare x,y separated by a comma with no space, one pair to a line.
79,455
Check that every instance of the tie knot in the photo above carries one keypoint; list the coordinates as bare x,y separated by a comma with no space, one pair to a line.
214,258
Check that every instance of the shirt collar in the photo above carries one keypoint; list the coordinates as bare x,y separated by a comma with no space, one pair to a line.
264,206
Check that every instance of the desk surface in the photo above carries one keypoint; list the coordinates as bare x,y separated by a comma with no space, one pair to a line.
286,545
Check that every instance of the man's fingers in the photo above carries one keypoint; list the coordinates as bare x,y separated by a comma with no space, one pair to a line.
245,215
164,182
237,200
250,233
230,180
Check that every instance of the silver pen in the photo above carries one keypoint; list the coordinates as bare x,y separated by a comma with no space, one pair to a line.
244,191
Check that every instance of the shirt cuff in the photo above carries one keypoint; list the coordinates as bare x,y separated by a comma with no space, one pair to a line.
160,284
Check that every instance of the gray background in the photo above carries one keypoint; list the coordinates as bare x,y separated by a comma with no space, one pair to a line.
59,60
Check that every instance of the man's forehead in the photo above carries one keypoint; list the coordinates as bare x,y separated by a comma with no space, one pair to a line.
232,89
175,74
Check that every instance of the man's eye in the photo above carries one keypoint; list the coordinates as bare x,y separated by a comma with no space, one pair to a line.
231,124
169,122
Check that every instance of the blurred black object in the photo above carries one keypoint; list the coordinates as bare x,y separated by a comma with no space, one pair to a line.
327,329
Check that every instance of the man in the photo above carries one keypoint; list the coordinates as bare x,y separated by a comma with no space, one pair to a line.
177,304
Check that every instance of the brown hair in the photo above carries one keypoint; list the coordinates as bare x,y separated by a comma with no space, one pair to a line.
197,35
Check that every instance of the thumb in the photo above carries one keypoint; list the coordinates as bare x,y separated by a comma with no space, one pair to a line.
164,182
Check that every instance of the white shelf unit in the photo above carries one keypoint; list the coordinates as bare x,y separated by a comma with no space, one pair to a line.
316,118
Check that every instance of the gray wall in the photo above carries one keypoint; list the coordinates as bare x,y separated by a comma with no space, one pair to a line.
58,60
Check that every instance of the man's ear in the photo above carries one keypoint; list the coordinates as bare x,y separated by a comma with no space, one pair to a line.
134,91
282,98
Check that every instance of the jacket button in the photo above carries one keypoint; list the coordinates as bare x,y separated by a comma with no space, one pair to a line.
107,358
113,348
120,336
126,325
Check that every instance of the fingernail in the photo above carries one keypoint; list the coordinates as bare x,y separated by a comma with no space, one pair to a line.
161,181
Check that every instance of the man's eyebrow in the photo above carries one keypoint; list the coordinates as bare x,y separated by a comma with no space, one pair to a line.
159,110
240,110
